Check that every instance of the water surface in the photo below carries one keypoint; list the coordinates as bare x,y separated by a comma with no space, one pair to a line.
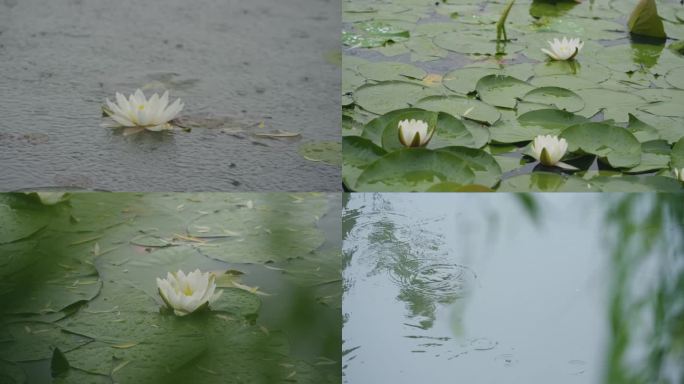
511,289
250,62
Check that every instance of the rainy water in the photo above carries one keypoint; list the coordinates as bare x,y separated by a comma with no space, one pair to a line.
79,279
512,289
244,69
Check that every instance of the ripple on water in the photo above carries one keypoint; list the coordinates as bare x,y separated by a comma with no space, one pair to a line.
441,281
506,359
577,367
483,344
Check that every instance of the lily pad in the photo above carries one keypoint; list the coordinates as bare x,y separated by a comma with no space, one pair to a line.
414,170
387,96
642,131
358,154
614,104
374,34
486,169
328,152
615,144
390,71
472,44
677,155
28,341
546,182
560,98
461,107
502,91
549,121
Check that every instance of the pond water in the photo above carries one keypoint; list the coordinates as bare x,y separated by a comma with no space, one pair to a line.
78,281
616,103
513,289
242,68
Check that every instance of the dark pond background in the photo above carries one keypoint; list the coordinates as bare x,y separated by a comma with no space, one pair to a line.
541,288
236,63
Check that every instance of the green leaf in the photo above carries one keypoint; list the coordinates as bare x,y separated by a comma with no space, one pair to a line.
645,21
461,107
677,154
557,97
59,364
387,96
615,144
545,182
414,169
549,121
328,152
501,90
358,154
486,169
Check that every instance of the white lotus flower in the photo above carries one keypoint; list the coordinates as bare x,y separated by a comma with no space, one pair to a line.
152,114
679,174
564,49
187,293
414,133
549,149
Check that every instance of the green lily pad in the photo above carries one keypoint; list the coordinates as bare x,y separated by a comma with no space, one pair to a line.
557,97
387,96
28,341
328,152
472,44
642,131
134,346
383,71
545,182
614,104
358,154
462,107
11,373
374,129
636,183
17,224
374,34
390,135
414,169
486,169
677,154
549,121
615,144
502,91
671,108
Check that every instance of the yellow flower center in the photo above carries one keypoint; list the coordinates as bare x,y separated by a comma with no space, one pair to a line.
187,290
141,107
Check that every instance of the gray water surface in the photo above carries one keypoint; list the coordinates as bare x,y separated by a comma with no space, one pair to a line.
467,288
248,62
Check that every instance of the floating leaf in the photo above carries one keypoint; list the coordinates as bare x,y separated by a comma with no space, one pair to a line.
414,170
560,98
358,154
328,152
619,147
502,91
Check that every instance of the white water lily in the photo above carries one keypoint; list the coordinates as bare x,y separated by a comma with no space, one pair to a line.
564,49
152,114
679,174
414,133
187,293
549,149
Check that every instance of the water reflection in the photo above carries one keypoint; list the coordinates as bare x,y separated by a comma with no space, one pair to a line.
486,288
